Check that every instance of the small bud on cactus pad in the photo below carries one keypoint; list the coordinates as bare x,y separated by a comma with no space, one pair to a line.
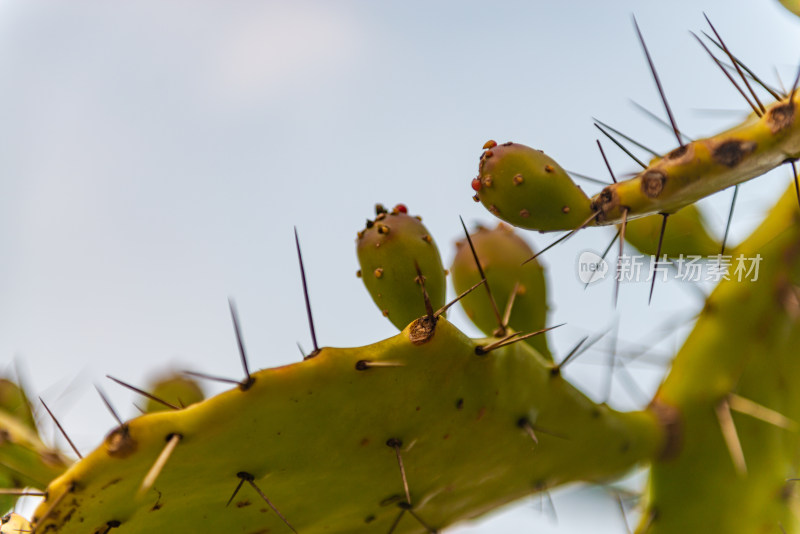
390,250
528,189
502,252
176,389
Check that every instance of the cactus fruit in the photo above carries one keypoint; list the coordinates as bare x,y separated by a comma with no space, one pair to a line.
502,253
392,252
685,234
526,188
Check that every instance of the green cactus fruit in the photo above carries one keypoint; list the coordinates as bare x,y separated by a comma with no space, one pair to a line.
501,253
14,524
392,249
14,402
686,233
176,389
322,439
528,189
24,457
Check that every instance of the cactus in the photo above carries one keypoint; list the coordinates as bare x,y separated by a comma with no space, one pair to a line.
430,427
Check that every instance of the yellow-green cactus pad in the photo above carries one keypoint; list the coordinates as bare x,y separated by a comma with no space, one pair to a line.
322,440
392,249
528,189
502,253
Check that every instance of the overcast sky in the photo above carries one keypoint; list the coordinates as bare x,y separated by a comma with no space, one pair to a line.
154,157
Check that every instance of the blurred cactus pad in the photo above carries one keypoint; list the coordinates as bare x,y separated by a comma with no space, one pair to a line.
431,427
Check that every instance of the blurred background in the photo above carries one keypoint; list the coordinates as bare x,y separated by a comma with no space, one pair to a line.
155,156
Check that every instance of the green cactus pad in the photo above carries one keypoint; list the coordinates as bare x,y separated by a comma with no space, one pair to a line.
528,189
390,249
14,402
686,233
502,252
330,426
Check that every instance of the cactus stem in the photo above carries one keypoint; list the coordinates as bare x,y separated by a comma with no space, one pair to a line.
444,308
305,296
760,412
142,392
363,365
736,66
161,461
658,84
727,74
250,479
501,327
730,218
61,429
248,380
664,216
731,437
569,234
620,146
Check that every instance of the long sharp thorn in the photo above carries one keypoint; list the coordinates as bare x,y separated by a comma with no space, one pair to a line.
658,119
658,84
612,362
305,296
269,503
618,275
608,165
664,216
421,522
61,429
760,412
736,65
235,492
444,308
22,492
794,86
730,218
396,521
605,253
510,304
796,184
302,352
483,277
773,92
563,237
621,506
557,367
159,464
780,83
627,138
421,281
587,178
551,506
212,377
396,444
248,379
727,74
108,406
620,145
143,393
728,428
513,338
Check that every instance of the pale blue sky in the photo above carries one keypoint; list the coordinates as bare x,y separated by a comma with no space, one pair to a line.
155,156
